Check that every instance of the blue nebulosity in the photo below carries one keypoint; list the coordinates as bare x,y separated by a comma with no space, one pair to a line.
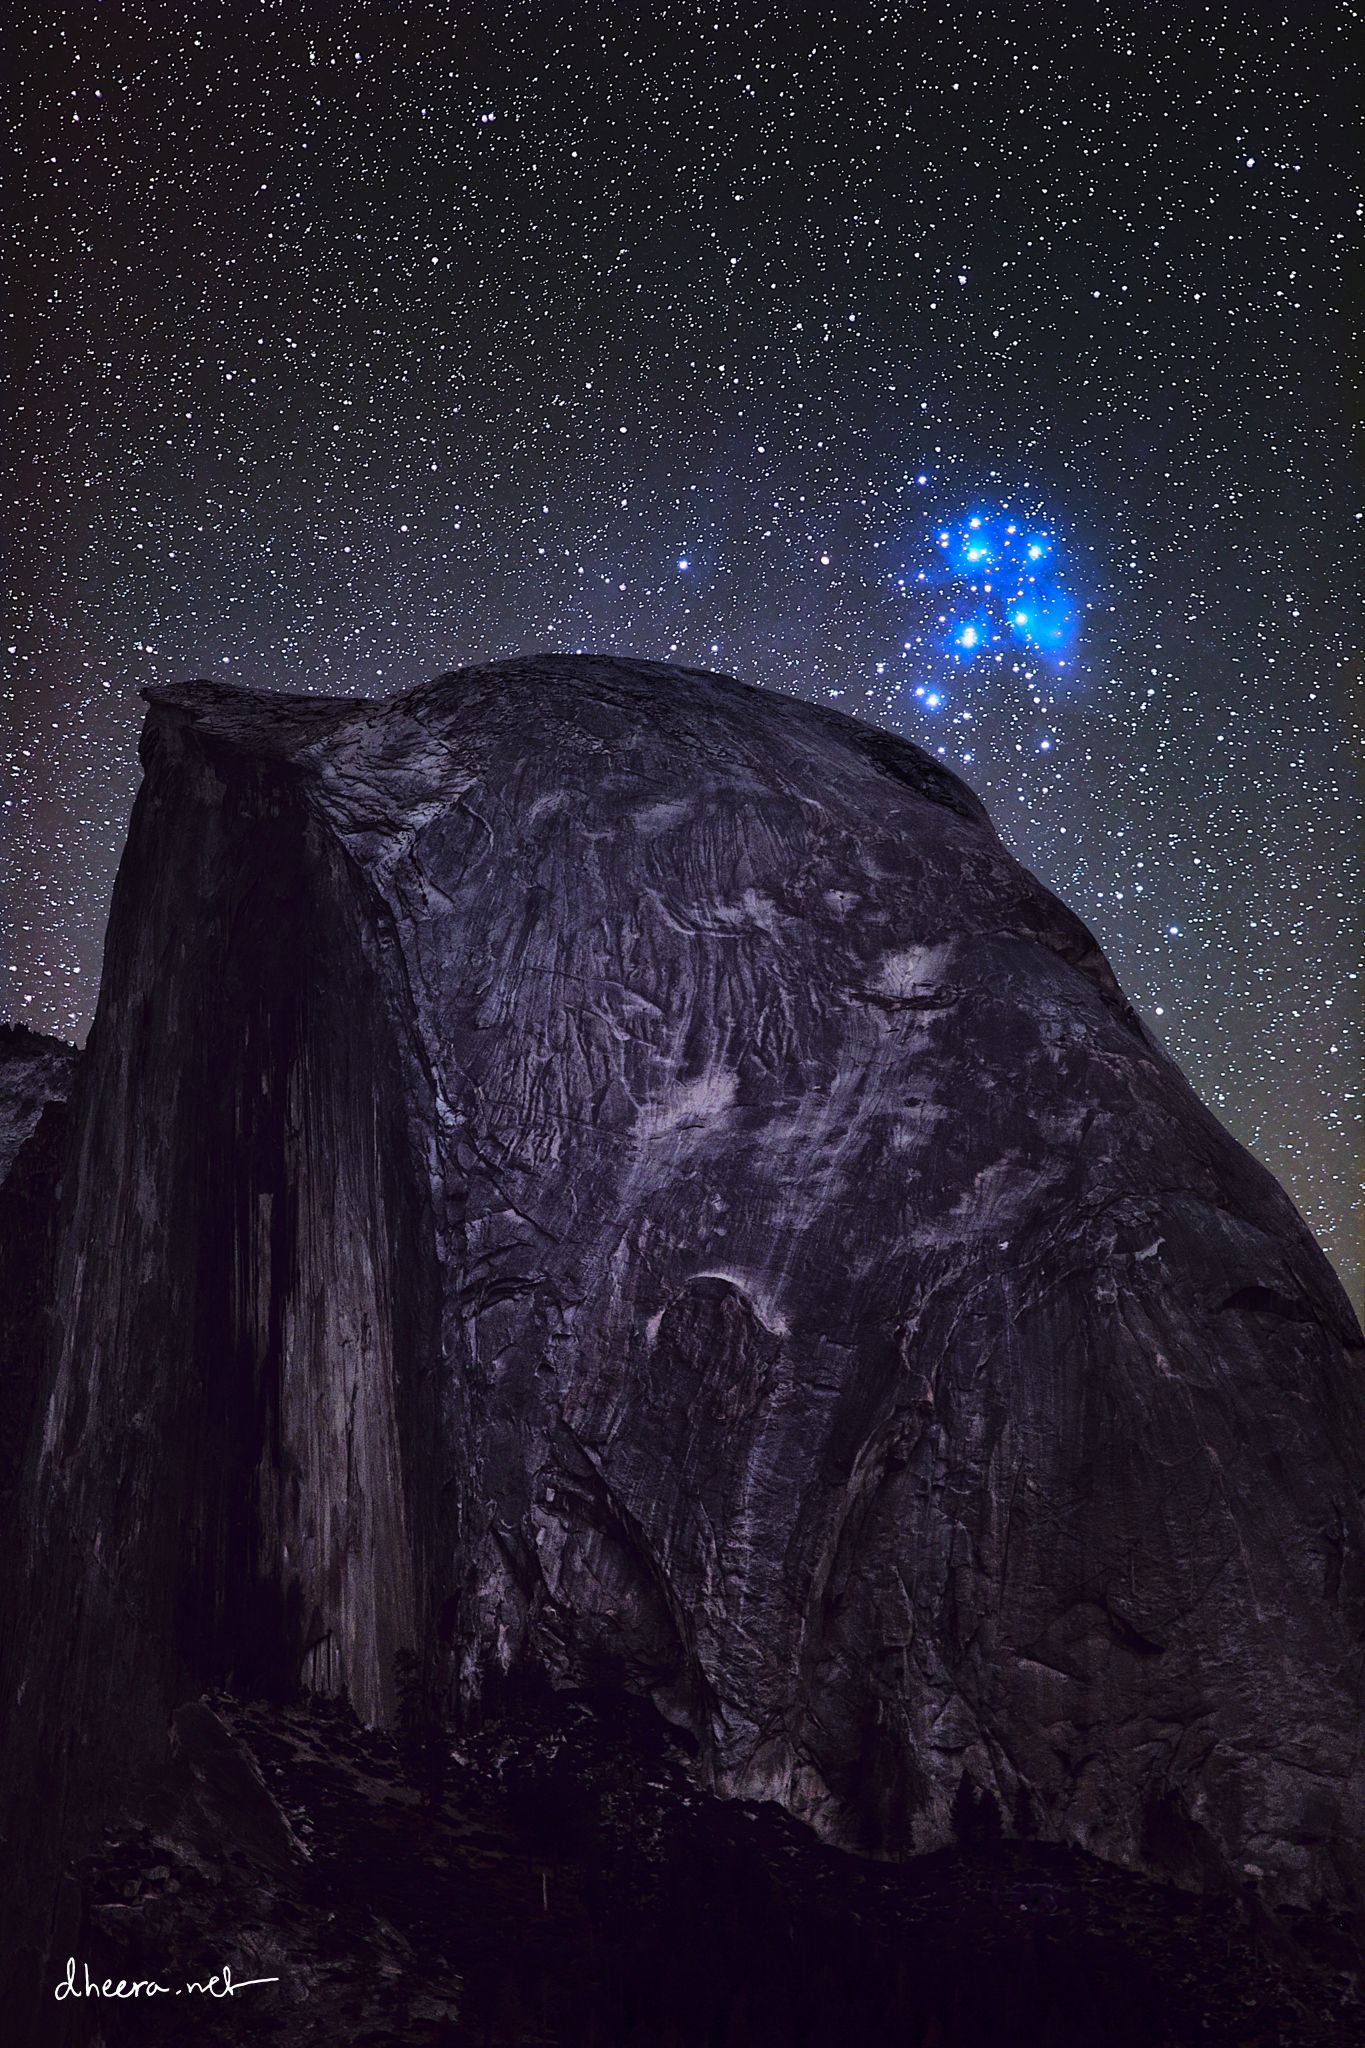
998,609
1005,581
994,634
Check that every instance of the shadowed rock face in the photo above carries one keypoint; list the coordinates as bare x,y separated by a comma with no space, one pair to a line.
37,1075
594,1166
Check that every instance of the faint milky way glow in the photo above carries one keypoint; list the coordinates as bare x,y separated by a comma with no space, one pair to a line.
354,343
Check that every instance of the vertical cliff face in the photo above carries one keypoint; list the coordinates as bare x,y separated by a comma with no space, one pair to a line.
37,1075
593,1166
220,1489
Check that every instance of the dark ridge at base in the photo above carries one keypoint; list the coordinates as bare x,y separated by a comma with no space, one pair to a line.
558,1878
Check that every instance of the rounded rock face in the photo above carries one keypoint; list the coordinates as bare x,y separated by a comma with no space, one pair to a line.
634,1178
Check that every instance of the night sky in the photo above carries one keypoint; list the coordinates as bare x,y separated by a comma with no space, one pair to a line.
979,370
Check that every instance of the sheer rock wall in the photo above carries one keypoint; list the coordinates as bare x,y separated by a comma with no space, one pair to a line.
592,1165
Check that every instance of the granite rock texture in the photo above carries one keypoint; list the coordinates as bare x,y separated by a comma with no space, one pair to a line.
37,1073
592,1166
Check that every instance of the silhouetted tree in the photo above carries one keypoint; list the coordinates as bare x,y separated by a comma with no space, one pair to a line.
975,1815
422,1744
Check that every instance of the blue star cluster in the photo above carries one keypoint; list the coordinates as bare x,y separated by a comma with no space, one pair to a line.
998,611
975,368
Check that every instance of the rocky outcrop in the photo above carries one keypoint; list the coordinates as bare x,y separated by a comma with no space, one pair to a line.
594,1167
37,1075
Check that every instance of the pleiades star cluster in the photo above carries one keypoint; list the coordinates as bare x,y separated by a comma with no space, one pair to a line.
978,370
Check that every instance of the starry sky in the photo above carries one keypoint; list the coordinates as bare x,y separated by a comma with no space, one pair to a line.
977,369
